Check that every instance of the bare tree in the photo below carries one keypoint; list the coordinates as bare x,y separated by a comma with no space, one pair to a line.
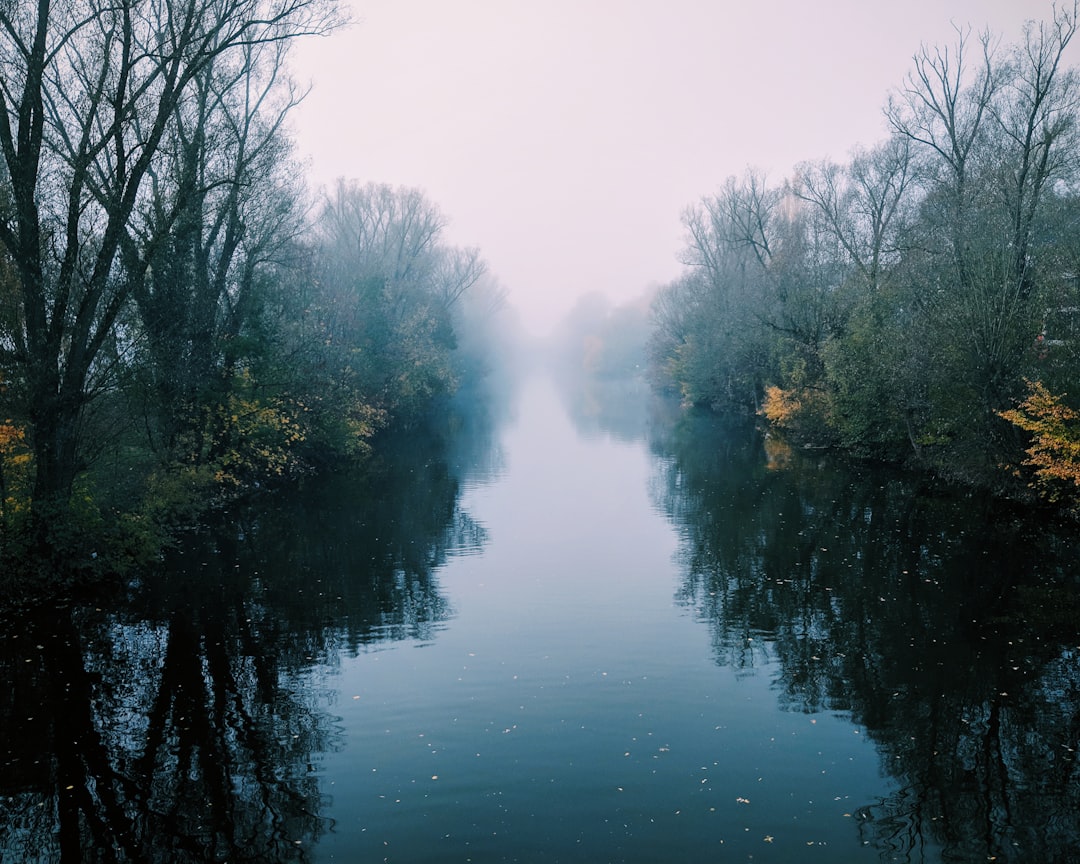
457,270
860,204
943,108
389,288
221,208
744,214
377,230
88,92
993,135
1037,124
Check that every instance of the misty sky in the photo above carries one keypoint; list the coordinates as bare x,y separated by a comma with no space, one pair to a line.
565,137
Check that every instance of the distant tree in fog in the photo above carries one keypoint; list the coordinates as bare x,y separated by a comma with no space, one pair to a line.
387,288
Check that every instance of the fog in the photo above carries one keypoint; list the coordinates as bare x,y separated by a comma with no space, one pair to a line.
565,138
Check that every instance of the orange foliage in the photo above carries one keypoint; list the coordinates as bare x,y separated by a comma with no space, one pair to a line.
781,407
1055,448
15,461
11,436
778,454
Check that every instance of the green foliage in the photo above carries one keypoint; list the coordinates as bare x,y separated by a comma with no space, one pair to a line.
382,306
877,374
58,549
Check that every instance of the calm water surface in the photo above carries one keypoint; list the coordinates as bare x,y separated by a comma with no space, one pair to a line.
592,631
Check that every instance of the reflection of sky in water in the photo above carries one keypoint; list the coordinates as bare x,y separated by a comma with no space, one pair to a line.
570,708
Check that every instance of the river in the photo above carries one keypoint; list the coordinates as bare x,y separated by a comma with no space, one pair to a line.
585,627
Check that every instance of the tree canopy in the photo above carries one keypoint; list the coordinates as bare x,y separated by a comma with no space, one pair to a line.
896,304
178,321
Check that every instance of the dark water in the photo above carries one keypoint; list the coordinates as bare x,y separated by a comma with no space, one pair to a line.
593,632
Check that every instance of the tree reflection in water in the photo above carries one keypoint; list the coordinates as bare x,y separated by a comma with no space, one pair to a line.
179,739
946,626
184,723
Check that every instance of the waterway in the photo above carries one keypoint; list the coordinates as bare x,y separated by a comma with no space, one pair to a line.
585,626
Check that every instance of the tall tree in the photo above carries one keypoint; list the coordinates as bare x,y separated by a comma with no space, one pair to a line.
943,108
221,211
1037,131
88,92
992,135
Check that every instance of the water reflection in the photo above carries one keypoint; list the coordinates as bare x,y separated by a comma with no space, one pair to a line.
570,709
184,739
619,408
946,626
186,722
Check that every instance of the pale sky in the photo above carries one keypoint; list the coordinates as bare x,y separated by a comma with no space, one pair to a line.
565,137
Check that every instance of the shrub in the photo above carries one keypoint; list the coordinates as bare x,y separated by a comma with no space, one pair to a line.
1054,452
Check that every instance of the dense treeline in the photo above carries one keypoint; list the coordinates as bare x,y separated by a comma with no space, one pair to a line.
918,302
178,322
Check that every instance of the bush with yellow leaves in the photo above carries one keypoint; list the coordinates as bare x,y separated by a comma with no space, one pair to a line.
1054,452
